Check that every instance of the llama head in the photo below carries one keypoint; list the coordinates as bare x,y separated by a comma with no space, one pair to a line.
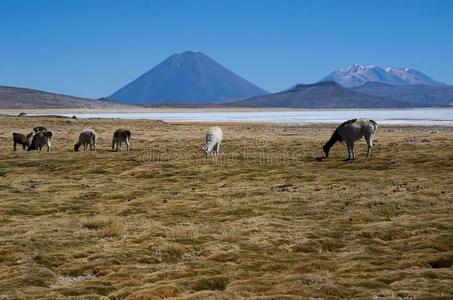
205,150
29,138
326,150
76,147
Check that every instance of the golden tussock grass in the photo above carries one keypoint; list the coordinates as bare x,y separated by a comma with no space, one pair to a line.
265,220
106,226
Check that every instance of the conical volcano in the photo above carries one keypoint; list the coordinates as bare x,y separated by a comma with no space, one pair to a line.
187,78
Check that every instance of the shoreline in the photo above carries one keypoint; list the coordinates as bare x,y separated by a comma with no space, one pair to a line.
408,125
402,117
135,109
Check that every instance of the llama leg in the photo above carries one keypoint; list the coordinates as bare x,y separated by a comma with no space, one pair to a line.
349,150
218,149
352,150
369,142
14,147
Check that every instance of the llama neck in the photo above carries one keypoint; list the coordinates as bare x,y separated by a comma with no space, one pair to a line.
335,138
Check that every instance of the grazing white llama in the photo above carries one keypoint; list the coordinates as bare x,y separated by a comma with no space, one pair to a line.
351,131
214,138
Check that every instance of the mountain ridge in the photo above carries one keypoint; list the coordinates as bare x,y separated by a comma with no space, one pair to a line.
326,94
416,94
12,97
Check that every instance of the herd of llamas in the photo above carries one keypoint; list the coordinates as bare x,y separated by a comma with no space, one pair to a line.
348,132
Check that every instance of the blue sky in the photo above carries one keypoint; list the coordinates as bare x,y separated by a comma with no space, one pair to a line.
92,48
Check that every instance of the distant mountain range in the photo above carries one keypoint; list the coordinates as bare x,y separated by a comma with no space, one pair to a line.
15,97
326,94
358,86
194,79
415,95
357,75
187,78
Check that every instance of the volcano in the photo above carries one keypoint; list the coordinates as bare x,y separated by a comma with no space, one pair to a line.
189,78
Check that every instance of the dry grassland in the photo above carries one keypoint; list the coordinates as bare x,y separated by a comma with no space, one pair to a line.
265,220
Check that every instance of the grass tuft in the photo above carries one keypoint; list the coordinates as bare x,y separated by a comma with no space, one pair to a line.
106,226
174,250
217,283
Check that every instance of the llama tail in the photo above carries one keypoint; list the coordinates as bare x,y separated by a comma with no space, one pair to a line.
375,126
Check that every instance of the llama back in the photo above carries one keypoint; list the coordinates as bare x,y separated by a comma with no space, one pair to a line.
214,134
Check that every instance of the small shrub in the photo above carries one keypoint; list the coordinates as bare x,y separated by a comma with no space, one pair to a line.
172,249
442,262
217,283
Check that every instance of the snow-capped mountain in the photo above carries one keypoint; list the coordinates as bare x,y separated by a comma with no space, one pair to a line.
411,76
356,75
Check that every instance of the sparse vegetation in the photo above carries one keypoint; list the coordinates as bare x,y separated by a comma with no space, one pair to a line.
265,221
